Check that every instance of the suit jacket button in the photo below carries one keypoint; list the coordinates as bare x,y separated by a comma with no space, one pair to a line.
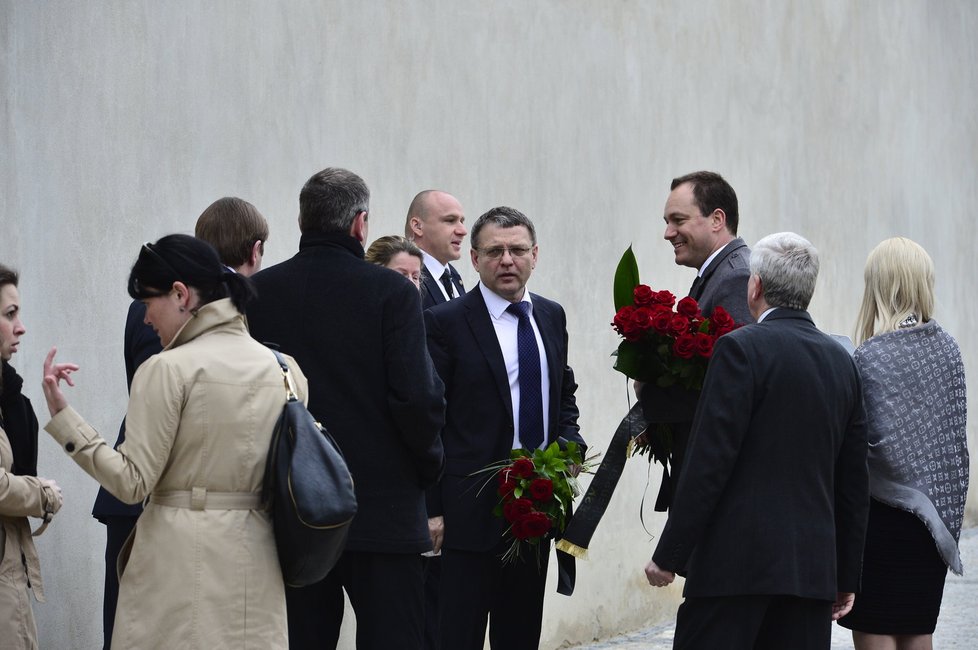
69,447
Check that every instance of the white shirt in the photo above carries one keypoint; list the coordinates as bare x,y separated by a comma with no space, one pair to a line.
699,274
436,269
505,325
766,312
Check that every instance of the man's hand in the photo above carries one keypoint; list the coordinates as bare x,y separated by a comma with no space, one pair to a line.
658,577
842,605
436,529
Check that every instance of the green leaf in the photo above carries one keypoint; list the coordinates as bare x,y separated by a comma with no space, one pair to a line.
626,279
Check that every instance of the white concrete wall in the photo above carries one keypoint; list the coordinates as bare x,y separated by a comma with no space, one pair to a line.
847,122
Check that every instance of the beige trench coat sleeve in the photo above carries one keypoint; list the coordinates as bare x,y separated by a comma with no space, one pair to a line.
131,472
22,496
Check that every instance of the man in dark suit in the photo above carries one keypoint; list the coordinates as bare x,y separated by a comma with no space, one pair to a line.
357,332
701,216
770,515
436,224
238,232
502,353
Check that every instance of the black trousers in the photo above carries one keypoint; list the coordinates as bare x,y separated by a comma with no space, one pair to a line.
758,622
386,592
117,531
477,588
432,605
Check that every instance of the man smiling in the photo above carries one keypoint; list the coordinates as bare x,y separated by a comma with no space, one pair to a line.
701,218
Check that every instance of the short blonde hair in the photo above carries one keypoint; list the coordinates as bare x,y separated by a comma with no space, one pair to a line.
385,248
899,280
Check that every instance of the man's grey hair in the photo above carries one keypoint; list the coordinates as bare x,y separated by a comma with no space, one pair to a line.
331,200
503,217
787,265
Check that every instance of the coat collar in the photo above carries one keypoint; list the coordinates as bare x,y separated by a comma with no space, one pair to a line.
780,313
330,239
212,315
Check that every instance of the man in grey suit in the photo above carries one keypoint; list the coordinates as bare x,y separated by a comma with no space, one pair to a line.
769,519
701,216
436,224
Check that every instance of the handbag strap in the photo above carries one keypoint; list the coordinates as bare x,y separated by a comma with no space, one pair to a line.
289,384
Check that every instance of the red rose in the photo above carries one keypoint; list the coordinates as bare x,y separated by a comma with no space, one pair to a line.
661,321
685,346
678,324
542,489
643,295
642,319
506,490
625,323
721,322
518,530
535,524
704,344
516,509
688,308
523,467
665,298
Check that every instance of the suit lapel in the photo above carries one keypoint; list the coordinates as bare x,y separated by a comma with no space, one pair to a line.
431,286
457,281
734,245
477,315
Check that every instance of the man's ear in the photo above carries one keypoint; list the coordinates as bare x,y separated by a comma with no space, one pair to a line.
718,220
359,228
416,225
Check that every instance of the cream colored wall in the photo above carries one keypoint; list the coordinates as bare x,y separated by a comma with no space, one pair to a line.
120,121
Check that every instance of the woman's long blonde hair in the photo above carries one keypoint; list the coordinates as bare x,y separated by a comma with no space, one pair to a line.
899,279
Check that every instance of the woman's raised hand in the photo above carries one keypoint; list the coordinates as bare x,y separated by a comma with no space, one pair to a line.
53,374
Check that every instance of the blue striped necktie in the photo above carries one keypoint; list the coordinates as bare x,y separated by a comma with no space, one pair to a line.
531,399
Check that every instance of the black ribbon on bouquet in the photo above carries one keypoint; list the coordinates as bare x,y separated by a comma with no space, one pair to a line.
580,529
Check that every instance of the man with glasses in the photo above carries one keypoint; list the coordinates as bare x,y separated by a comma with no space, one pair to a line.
436,224
502,353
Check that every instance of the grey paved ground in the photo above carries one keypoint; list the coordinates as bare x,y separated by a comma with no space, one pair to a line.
957,626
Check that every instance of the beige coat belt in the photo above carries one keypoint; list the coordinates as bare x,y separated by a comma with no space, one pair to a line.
200,498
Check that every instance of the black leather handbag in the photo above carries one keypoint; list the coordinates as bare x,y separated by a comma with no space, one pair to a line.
309,491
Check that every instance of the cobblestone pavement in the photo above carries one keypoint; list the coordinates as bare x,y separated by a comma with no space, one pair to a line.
957,626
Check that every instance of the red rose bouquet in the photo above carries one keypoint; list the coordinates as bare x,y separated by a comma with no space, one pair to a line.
664,342
536,490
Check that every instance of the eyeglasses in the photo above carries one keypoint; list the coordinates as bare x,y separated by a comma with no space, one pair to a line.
497,252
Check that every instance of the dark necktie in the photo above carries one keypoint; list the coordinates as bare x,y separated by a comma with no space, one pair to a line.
446,281
697,288
531,399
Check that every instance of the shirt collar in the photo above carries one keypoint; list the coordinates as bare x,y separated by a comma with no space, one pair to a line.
435,268
766,312
497,305
711,258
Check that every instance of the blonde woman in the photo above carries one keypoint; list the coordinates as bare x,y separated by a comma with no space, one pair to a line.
914,392
398,254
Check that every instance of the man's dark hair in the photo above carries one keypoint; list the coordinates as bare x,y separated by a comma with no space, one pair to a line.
331,200
232,226
711,191
504,218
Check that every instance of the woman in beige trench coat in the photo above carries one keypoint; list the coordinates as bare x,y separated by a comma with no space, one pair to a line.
22,494
203,571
